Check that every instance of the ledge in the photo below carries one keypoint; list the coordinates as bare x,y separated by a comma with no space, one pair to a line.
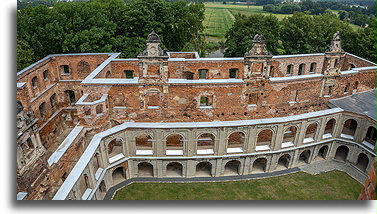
234,150
174,152
368,145
347,136
98,173
116,157
308,140
293,78
86,194
204,81
205,151
287,144
144,152
325,136
262,148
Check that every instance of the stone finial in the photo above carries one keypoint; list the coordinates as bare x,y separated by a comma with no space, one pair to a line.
336,44
153,38
259,47
153,47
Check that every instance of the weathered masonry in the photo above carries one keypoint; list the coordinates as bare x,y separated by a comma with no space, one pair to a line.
97,120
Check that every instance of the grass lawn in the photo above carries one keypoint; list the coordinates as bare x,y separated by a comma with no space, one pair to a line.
219,18
334,185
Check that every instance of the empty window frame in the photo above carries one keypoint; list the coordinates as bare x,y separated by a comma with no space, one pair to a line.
34,82
253,99
129,74
205,101
313,67
203,73
272,71
289,70
233,73
301,69
45,75
65,69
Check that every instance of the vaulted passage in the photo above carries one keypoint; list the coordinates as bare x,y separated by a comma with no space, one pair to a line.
362,162
304,157
203,169
341,153
283,162
259,165
322,153
232,168
145,169
174,169
118,175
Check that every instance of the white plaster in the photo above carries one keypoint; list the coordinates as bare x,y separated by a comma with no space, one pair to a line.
152,107
144,152
369,145
63,147
287,144
205,151
325,136
174,152
299,77
98,173
21,195
205,107
298,55
234,150
309,140
347,136
262,148
116,157
204,81
86,194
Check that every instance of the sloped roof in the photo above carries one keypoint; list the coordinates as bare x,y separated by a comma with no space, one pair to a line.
363,103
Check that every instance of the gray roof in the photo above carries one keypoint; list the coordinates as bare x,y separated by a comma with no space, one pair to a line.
363,103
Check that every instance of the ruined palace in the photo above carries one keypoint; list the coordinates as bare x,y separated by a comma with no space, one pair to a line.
89,121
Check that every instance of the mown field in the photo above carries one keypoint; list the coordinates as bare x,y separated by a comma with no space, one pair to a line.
334,185
219,18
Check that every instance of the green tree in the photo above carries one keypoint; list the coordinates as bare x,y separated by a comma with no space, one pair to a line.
25,55
240,35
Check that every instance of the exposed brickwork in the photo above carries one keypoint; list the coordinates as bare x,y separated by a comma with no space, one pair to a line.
369,189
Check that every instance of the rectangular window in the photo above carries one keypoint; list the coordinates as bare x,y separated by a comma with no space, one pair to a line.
253,99
313,67
45,75
289,70
66,69
203,73
233,73
272,69
129,74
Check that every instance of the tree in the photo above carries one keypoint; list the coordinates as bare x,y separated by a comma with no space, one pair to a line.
240,35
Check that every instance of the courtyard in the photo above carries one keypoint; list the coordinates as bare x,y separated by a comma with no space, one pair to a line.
333,185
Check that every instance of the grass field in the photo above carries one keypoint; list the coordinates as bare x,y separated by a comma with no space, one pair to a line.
219,18
334,185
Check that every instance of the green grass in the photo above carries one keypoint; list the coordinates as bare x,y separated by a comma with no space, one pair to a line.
219,18
334,185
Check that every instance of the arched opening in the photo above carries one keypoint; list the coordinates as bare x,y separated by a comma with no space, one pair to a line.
205,144
42,110
289,70
362,162
71,96
174,142
351,66
370,136
87,111
259,165
304,157
349,128
153,100
174,169
108,74
53,101
203,169
313,67
35,82
102,187
145,169
84,184
144,144
289,136
236,142
264,140
310,133
329,128
99,109
341,153
283,162
301,69
232,168
115,147
45,75
96,163
118,175
322,153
